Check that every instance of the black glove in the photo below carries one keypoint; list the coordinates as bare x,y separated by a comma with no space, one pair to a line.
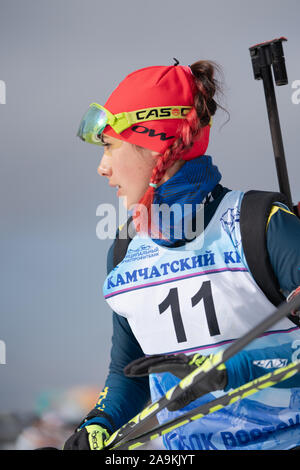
90,436
181,365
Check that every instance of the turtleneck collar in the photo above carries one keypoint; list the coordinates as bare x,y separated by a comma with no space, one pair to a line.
187,188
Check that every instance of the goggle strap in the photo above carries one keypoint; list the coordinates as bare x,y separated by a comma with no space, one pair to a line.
124,120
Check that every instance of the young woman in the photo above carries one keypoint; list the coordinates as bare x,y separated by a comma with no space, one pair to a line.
184,290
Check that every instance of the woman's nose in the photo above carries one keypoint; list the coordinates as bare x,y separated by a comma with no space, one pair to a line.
104,169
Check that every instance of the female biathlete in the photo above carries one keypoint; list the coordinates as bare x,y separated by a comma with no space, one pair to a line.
184,290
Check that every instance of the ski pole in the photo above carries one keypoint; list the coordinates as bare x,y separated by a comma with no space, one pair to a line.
265,57
135,424
244,391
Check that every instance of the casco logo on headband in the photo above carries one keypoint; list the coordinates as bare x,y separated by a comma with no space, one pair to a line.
151,132
145,114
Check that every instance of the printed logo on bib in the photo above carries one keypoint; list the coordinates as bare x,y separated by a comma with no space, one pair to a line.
271,363
229,222
142,252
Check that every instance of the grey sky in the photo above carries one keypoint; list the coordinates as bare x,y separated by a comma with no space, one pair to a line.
56,57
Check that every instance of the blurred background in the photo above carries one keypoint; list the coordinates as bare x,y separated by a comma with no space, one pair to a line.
56,57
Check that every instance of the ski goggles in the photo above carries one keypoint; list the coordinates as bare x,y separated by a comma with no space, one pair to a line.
97,118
